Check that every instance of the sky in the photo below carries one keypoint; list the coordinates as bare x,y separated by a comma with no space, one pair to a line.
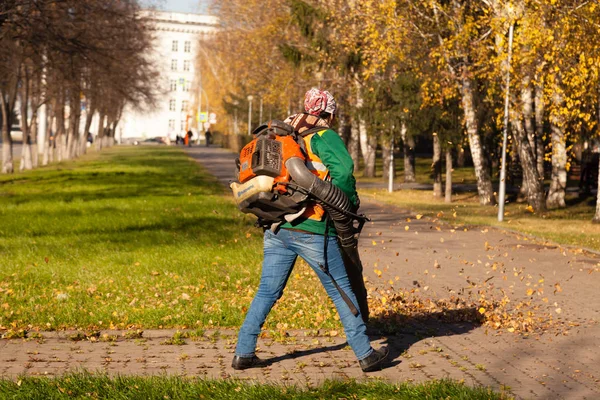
191,6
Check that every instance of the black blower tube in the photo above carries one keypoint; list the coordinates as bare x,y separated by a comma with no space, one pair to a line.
342,213
332,198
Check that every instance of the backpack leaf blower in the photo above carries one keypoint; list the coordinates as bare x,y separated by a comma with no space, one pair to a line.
274,184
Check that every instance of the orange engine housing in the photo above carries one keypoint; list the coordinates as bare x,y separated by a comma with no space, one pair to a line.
266,155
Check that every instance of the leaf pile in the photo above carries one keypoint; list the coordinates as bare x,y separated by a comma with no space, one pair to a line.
391,310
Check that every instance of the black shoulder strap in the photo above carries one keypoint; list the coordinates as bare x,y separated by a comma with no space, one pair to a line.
313,130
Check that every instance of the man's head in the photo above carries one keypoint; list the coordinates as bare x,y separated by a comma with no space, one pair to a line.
320,103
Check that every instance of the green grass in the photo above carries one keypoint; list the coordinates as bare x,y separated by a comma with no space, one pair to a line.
135,238
162,387
423,173
569,226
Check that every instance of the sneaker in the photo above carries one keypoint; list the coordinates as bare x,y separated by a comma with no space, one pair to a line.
246,362
374,361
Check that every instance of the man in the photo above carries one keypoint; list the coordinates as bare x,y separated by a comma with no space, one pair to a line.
207,135
307,237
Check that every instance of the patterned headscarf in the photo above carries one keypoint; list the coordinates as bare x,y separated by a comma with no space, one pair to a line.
317,101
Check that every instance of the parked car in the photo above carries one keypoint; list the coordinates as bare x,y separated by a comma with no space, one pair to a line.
155,140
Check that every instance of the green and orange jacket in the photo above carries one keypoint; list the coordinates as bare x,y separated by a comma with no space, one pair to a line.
328,148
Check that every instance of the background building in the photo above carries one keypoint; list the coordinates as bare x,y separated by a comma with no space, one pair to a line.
177,37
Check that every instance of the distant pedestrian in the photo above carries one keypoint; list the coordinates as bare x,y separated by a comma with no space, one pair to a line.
188,136
208,136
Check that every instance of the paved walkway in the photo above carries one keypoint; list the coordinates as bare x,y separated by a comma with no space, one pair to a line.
401,253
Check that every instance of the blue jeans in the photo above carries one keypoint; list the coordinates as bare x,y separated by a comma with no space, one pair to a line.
280,253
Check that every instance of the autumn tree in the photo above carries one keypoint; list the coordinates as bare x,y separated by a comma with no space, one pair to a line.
57,52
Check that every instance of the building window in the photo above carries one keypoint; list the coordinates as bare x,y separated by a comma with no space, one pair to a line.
173,85
171,124
173,65
187,47
186,65
172,105
175,46
184,105
183,124
186,86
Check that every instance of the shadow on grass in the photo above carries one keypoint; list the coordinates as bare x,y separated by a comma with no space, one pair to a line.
114,185
187,225
585,199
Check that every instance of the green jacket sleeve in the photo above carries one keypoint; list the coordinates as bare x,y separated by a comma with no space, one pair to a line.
330,148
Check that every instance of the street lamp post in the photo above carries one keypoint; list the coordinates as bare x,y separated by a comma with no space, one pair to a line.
391,168
502,188
250,97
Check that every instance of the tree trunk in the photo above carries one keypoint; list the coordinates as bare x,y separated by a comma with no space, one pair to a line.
531,180
76,132
539,129
34,143
436,166
558,183
100,131
344,128
408,152
7,142
528,116
484,181
516,170
26,147
59,136
89,116
104,139
449,169
113,133
368,145
26,159
596,218
525,137
354,145
460,156
48,144
73,131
